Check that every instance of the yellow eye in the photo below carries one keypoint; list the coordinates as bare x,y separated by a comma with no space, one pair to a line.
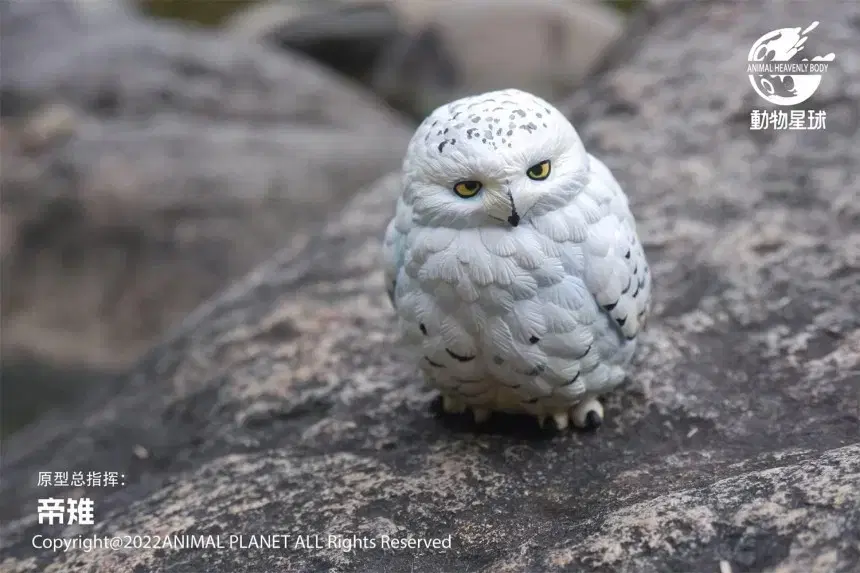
540,171
467,188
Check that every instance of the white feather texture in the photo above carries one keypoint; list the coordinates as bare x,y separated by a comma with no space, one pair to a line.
529,295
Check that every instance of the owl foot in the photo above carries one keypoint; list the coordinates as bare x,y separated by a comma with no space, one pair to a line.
452,405
588,414
559,421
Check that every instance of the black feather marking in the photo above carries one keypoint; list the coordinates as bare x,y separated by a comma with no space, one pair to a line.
572,380
423,329
609,307
584,354
436,364
391,290
534,339
629,284
627,255
531,401
536,371
621,321
458,357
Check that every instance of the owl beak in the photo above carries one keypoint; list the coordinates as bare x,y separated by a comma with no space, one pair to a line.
514,218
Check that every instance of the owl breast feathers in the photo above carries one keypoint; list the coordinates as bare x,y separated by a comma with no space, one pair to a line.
512,260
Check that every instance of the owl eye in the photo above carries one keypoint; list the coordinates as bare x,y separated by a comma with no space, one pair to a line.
467,188
539,171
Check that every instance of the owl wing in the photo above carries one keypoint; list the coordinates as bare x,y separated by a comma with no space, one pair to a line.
616,271
394,246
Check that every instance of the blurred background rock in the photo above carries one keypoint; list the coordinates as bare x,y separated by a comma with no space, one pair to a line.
153,152
418,54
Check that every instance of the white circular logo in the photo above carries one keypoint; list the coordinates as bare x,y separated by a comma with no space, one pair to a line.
778,73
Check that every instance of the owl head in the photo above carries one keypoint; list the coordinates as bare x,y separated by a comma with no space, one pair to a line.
497,158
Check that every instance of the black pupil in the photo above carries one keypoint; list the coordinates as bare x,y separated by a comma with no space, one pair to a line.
536,170
470,185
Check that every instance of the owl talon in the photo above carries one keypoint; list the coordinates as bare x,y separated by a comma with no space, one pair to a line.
452,405
559,421
593,420
588,414
481,415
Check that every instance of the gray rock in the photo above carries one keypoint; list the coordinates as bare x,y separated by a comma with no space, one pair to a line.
453,49
282,408
145,166
347,37
418,54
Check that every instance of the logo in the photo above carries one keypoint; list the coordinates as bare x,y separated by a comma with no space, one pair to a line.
778,71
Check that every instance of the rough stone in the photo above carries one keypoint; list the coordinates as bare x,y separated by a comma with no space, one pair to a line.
418,54
349,37
147,165
282,406
546,47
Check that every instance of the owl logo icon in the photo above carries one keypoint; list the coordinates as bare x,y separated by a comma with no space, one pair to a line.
778,69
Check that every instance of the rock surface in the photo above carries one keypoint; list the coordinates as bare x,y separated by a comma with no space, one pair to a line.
280,407
145,166
349,37
418,54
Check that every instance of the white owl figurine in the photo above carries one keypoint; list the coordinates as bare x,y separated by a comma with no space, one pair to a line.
513,262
